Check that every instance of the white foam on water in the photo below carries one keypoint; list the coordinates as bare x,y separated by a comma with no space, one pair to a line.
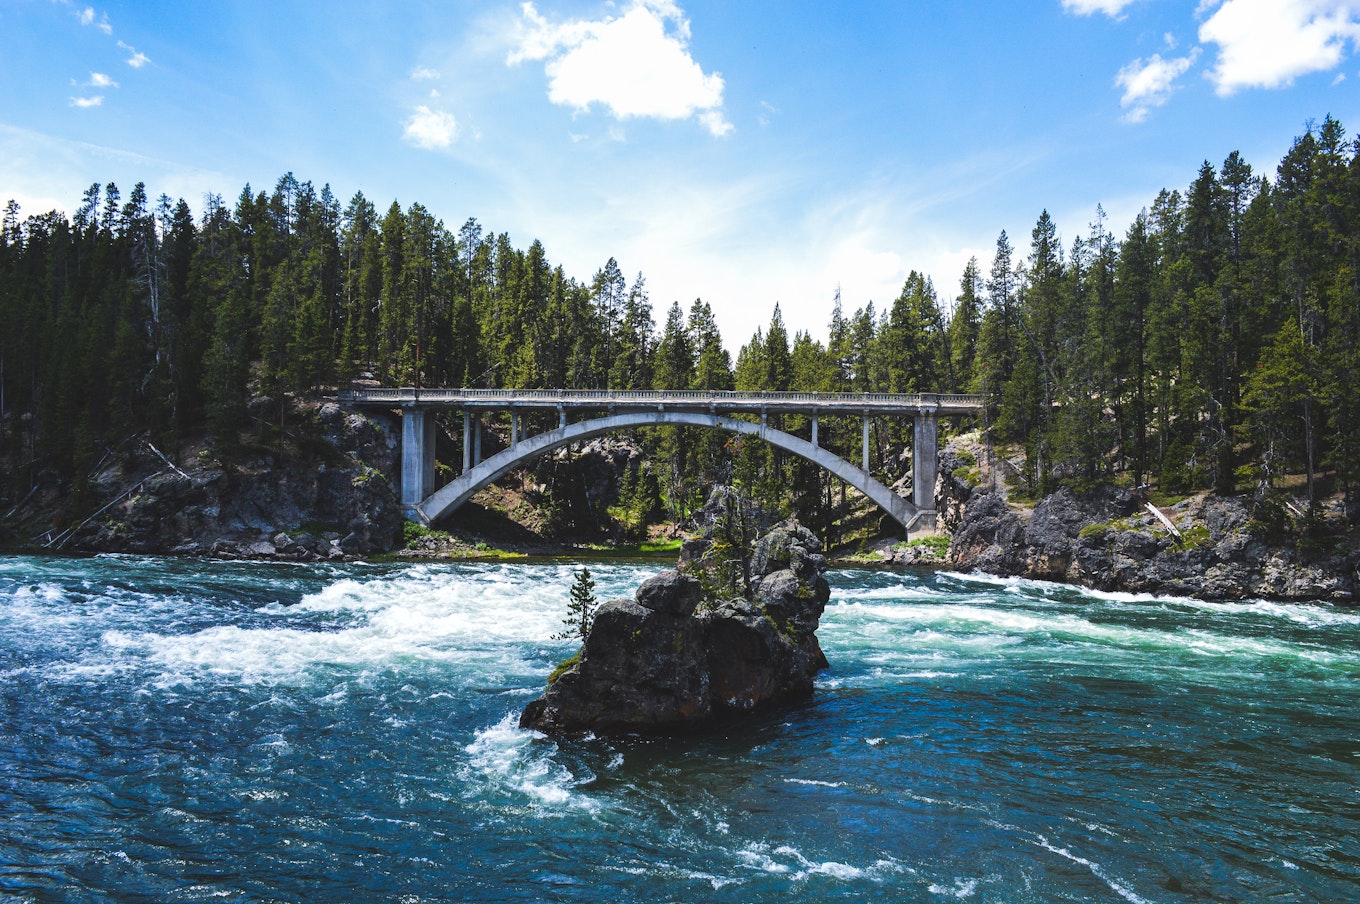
962,888
906,636
484,626
836,870
786,860
1115,885
507,760
814,782
1312,615
757,857
898,592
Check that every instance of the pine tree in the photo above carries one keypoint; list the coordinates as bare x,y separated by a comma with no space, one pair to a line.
580,608
964,326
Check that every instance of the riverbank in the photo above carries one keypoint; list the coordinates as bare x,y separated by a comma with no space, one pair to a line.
1109,539
325,492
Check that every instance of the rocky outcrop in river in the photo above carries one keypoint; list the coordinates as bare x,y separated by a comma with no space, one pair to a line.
688,647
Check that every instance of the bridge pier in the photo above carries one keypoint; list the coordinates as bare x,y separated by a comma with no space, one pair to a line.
417,456
925,464
467,441
865,445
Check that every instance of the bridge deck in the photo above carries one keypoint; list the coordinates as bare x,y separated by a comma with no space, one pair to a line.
671,400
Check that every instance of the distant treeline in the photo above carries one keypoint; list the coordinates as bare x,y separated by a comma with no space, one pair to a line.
1217,345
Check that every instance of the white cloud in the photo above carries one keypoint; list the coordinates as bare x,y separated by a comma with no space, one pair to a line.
88,16
1091,7
1149,84
431,129
138,59
715,122
1268,43
424,74
85,103
1340,77
637,65
100,80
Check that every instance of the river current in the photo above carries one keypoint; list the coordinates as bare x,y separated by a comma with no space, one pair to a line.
179,730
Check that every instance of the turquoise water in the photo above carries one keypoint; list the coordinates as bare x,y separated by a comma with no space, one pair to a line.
175,730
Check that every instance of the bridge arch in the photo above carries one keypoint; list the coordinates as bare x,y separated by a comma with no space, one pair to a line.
466,485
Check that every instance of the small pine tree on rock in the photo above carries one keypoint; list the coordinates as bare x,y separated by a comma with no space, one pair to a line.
581,608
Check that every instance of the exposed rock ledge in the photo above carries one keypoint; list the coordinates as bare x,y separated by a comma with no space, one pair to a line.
676,654
1108,541
329,498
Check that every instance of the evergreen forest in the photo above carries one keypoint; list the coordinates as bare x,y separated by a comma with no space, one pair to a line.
1214,345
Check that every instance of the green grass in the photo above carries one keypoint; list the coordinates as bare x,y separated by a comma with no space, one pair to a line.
644,549
937,543
563,667
1196,537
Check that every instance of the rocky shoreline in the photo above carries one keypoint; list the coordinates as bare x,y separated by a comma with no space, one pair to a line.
1228,547
331,498
327,496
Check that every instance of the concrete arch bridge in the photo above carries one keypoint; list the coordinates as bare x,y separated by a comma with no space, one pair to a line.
604,411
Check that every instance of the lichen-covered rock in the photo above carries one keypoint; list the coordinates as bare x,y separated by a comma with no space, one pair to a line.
673,657
1107,540
670,592
330,495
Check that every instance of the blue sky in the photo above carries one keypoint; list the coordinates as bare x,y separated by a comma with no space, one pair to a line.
747,153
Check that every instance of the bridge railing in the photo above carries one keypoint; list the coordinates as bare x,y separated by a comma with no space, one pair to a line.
650,397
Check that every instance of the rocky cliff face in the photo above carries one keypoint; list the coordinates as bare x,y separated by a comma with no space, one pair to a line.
1107,540
330,497
676,655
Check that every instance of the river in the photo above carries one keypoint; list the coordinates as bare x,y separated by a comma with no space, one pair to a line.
179,730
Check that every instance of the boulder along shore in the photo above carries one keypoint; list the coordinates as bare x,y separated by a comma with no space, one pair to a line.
330,495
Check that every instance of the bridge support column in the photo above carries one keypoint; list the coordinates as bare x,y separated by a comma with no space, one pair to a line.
467,441
561,416
814,429
865,455
417,455
925,464
477,441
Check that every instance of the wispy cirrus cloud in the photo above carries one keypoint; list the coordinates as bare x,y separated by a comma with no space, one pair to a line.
89,17
1112,8
637,64
136,59
1149,83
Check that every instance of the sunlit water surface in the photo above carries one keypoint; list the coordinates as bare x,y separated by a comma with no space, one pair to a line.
175,730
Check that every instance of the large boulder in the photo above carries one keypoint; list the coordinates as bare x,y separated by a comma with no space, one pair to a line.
676,654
